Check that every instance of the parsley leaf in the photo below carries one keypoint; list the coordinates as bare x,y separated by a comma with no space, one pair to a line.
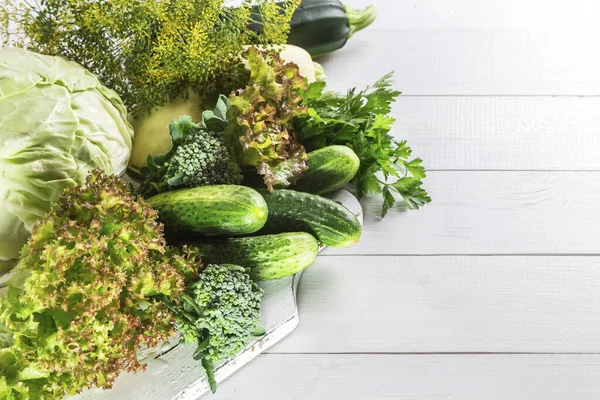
412,193
388,201
361,121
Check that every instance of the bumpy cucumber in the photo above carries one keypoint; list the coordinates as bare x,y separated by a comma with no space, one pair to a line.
220,210
331,223
265,257
329,169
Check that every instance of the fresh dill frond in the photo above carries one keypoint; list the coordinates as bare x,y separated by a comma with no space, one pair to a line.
149,51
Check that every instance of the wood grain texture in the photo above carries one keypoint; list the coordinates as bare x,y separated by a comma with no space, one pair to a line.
416,377
490,89
506,133
448,304
503,212
465,62
488,15
495,85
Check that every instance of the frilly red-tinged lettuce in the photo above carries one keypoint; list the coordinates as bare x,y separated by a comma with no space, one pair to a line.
18,380
86,293
261,119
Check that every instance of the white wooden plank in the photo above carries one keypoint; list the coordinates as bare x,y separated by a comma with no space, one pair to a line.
475,212
459,62
416,377
509,133
448,304
483,15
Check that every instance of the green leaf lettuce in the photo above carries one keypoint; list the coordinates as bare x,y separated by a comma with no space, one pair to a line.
261,116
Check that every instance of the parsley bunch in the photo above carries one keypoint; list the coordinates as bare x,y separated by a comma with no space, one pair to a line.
361,121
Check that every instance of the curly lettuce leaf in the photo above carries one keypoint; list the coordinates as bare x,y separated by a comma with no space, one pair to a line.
261,117
85,296
18,379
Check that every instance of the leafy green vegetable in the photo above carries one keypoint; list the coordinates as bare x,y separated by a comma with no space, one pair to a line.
220,312
198,155
86,292
152,51
361,121
57,123
18,381
261,115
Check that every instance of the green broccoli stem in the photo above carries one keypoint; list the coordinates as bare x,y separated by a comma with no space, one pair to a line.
178,312
219,312
185,297
360,19
210,373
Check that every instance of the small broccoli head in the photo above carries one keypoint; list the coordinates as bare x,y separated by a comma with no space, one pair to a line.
220,312
199,156
203,160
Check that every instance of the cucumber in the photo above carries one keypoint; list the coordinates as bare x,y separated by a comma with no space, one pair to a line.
331,223
219,210
265,257
329,169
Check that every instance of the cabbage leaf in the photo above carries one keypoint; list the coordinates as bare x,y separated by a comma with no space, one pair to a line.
57,122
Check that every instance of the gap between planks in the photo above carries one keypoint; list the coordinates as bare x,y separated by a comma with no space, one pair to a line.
420,377
500,95
436,353
450,304
468,255
510,170
488,213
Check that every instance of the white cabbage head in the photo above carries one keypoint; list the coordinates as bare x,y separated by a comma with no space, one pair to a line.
57,122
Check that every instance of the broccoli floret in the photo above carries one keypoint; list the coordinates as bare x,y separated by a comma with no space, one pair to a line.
220,312
198,156
202,160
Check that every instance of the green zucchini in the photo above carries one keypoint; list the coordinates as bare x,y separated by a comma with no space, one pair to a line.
329,169
219,210
265,257
323,26
331,223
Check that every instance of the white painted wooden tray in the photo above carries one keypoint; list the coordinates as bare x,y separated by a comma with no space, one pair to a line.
173,374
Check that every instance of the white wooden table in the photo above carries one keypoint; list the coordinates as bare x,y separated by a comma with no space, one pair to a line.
493,290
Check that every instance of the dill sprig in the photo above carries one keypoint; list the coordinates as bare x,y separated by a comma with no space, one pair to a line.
149,51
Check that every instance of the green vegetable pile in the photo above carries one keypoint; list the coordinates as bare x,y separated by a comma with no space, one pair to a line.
150,51
164,58
236,147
